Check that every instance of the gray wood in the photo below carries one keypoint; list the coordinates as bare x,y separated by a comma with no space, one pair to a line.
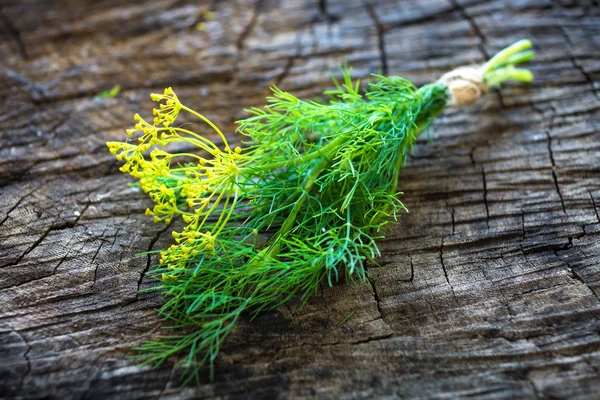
490,284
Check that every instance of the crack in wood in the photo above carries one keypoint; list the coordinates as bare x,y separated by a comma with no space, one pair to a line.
523,232
102,242
485,198
55,226
547,129
169,378
29,249
380,38
594,205
474,27
149,257
472,155
323,6
290,61
25,356
15,34
240,43
554,176
62,260
573,60
324,12
371,281
444,266
17,204
412,270
572,273
301,345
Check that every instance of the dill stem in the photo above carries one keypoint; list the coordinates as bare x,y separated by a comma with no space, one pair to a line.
214,206
416,131
398,166
309,181
223,212
503,55
308,184
231,209
200,138
188,155
203,118
301,159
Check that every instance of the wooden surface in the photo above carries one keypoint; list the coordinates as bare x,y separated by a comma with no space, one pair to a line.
491,284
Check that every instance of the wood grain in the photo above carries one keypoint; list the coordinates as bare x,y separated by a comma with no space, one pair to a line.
490,287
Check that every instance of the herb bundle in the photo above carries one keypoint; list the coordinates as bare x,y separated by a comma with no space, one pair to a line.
320,178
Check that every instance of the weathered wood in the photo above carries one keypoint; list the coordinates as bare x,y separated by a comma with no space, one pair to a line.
490,286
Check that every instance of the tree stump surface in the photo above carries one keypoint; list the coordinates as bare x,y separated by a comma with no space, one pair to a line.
490,285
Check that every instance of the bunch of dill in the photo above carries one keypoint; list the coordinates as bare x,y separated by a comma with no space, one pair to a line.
319,177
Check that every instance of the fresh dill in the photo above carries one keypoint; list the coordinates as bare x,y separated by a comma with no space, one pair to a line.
319,177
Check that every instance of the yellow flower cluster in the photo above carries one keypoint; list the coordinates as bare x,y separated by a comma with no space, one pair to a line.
166,113
195,189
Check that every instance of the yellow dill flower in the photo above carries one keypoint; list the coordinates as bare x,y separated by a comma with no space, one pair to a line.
167,112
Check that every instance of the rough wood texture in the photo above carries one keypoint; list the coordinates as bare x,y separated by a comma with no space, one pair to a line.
491,284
